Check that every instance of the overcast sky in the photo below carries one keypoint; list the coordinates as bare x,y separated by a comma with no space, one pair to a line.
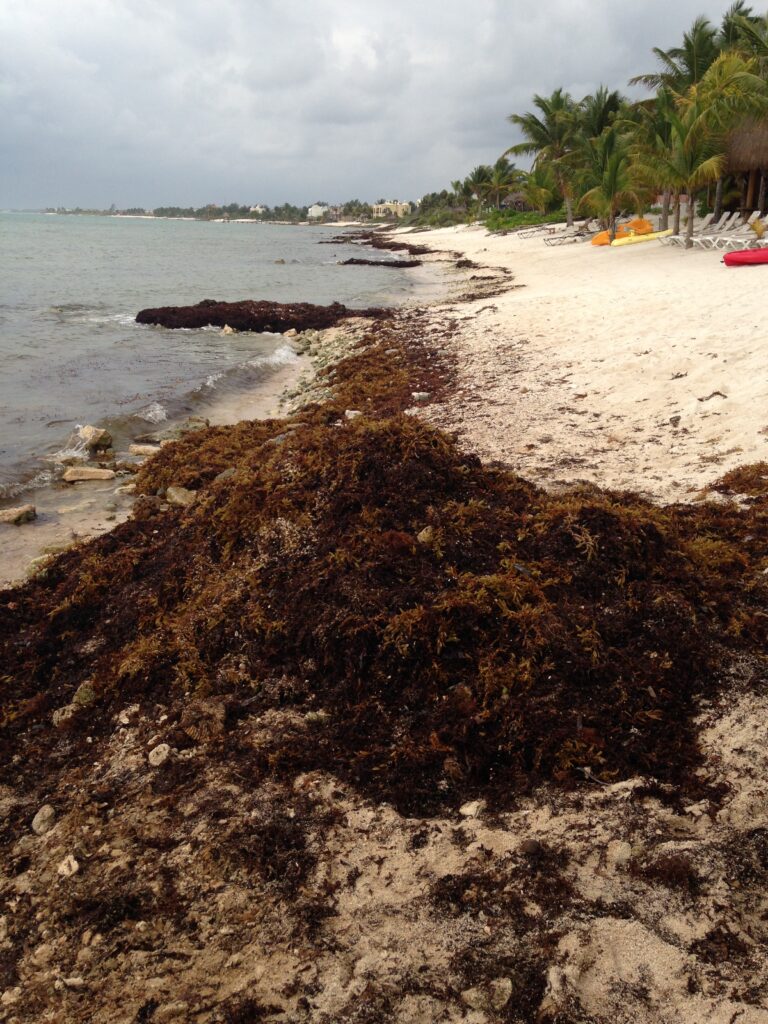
153,102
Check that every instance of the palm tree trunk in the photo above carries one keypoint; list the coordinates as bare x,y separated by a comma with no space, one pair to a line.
568,200
718,212
761,196
689,226
751,187
676,227
665,210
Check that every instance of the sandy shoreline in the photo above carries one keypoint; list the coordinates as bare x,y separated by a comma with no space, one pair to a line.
195,844
69,514
72,513
639,368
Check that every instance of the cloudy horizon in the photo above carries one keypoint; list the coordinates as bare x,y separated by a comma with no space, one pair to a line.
146,103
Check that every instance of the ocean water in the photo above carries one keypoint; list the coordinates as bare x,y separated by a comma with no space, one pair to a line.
70,352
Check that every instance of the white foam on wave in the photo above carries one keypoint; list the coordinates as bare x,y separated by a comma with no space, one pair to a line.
152,413
210,380
282,356
41,479
124,319
73,448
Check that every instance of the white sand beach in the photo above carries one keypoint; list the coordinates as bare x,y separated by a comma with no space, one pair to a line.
642,367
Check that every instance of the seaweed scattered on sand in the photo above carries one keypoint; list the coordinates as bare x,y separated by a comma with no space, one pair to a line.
751,479
255,316
440,627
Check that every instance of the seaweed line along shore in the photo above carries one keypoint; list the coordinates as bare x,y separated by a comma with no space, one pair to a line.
423,701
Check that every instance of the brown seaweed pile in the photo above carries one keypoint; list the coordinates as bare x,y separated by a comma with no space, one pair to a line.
393,264
441,627
251,315
750,480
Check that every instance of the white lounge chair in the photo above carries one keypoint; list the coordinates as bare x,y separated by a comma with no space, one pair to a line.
680,238
718,230
741,238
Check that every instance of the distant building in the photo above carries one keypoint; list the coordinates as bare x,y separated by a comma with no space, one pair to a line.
258,208
392,208
317,211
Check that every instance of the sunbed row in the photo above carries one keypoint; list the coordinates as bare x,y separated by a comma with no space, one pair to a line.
726,233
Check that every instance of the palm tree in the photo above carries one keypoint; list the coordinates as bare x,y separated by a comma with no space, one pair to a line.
608,174
694,157
731,93
732,26
479,185
538,187
597,111
505,179
649,133
462,191
549,137
684,66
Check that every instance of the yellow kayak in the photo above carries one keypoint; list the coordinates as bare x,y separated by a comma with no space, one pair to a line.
632,239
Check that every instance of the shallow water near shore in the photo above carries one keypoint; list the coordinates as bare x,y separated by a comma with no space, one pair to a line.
71,353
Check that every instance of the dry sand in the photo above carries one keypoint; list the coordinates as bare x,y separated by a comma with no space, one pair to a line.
583,369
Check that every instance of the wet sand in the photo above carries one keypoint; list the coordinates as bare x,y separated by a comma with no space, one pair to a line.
68,514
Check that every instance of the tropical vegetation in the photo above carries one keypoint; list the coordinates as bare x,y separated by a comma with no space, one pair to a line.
699,140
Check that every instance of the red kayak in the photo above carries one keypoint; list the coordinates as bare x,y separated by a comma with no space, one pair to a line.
745,257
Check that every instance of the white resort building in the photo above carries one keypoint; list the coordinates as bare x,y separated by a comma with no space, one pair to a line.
391,208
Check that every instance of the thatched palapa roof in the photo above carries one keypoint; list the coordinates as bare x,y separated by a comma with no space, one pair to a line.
748,146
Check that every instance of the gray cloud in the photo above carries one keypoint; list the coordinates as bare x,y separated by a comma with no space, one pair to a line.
147,102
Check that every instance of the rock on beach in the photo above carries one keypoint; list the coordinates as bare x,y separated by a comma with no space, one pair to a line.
143,449
44,820
79,473
95,438
17,516
180,496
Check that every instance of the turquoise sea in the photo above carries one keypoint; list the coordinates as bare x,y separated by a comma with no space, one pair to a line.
70,352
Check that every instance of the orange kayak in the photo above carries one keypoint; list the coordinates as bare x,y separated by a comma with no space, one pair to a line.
638,226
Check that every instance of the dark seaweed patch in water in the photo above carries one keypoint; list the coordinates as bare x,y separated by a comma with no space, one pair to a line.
446,627
254,316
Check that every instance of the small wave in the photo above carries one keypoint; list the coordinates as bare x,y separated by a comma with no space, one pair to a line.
282,356
71,307
152,413
17,487
124,319
69,451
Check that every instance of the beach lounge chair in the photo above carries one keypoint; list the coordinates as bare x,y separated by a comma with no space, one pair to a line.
705,225
706,239
699,230
540,229
571,235
741,238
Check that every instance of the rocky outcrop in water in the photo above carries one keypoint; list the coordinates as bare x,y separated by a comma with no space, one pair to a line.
255,316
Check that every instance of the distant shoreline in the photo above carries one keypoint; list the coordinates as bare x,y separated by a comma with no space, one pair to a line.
210,220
